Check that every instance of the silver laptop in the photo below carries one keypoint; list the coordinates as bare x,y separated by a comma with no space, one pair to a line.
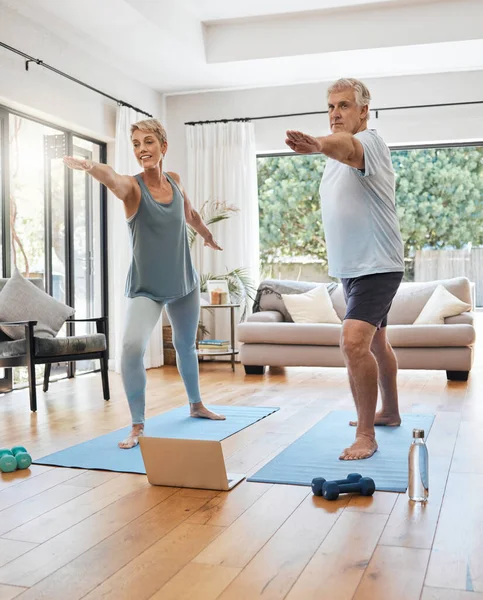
186,463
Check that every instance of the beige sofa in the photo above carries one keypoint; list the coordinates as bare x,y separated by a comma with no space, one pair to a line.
267,338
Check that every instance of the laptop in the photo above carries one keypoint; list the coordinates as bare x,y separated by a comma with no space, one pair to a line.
186,463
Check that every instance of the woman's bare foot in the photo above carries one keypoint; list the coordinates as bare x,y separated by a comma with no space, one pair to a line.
363,447
383,419
133,438
197,409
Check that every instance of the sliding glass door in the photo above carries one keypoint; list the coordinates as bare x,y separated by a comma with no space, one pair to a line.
87,246
56,221
5,374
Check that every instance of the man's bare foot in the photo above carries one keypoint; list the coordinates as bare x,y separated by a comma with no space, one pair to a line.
363,447
133,438
383,419
197,409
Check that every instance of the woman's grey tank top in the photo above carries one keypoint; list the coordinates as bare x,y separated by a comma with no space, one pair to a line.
161,266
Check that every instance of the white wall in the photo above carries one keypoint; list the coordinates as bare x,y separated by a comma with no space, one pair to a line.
397,127
42,93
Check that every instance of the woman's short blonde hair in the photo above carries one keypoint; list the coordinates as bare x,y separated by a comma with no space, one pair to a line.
152,125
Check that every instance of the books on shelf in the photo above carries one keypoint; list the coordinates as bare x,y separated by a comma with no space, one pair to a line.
211,345
219,348
213,350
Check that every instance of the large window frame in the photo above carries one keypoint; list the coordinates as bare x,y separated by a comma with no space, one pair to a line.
394,148
6,237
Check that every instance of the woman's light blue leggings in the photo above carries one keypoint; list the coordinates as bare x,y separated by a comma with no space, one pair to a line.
142,316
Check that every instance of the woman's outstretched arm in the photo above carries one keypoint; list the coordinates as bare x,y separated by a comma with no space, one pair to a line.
121,186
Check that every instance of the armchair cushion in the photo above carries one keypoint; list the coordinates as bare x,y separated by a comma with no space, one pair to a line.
21,300
62,346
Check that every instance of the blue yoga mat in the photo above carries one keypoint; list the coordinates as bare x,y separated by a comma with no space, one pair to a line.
103,453
316,454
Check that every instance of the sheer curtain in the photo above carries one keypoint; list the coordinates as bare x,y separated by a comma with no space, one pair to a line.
120,250
222,167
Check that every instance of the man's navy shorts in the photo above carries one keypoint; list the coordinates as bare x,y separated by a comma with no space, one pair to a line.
369,298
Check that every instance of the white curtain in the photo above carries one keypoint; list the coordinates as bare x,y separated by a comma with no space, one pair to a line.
222,167
120,249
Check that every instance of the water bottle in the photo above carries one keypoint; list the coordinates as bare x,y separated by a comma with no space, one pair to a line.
418,468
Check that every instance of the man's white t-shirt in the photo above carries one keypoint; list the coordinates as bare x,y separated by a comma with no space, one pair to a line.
359,213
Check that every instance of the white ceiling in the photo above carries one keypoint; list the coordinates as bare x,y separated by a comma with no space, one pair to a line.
212,10
179,46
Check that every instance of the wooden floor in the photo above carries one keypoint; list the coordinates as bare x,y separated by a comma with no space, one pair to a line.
67,534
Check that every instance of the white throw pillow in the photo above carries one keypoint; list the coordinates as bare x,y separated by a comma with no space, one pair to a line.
314,306
440,305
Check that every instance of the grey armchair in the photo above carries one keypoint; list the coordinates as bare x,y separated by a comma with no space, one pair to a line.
32,350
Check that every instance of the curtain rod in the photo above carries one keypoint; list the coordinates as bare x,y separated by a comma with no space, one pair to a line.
325,112
42,64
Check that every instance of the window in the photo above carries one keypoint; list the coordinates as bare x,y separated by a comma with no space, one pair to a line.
439,198
87,243
5,374
291,233
56,220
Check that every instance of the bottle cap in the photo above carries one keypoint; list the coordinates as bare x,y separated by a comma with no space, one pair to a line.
418,433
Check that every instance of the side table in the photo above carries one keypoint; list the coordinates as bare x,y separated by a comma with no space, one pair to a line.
232,351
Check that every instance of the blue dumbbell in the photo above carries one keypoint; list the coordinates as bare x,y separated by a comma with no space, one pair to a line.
8,464
318,482
365,486
22,457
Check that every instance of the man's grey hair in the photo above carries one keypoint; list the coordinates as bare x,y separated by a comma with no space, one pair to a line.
361,92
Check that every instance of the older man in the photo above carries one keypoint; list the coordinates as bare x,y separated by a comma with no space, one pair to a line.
364,250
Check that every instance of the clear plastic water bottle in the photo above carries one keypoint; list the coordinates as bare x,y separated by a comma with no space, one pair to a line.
418,489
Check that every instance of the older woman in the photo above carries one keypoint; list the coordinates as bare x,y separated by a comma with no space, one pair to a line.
161,273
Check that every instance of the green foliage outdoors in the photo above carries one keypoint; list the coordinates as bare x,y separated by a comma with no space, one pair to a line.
439,198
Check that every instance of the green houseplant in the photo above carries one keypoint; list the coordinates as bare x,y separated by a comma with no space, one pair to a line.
240,285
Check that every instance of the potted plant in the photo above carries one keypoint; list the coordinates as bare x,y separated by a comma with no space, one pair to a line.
240,285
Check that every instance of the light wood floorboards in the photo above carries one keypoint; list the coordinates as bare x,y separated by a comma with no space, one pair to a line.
72,534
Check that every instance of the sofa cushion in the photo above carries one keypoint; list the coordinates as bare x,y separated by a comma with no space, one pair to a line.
306,334
406,307
314,306
61,346
464,318
431,336
412,297
317,334
266,316
20,300
338,301
269,294
441,304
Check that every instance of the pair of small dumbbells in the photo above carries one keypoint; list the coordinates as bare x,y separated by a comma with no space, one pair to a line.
354,482
16,458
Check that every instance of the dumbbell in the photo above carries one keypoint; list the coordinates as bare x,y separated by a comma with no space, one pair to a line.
331,489
8,464
318,482
22,457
